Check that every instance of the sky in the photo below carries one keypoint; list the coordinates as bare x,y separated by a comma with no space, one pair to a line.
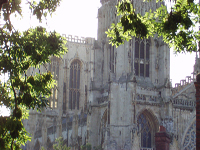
79,18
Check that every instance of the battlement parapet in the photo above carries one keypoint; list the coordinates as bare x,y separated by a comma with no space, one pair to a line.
183,83
81,40
184,103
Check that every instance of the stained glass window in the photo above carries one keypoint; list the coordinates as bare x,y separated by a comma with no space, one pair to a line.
136,48
142,50
136,69
145,131
74,85
112,58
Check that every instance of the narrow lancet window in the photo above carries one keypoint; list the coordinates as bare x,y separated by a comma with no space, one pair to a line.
145,131
74,85
142,52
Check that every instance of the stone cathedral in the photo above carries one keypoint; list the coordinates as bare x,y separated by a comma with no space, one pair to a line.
115,98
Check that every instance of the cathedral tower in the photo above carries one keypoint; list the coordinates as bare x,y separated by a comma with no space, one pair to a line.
127,81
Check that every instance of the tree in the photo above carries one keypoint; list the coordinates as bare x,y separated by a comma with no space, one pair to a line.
174,26
88,146
59,145
18,52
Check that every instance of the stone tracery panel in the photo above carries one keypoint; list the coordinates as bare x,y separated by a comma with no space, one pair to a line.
147,125
141,63
190,138
168,122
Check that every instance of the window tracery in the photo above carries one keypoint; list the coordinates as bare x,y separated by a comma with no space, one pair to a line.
190,138
146,131
74,85
141,62
54,96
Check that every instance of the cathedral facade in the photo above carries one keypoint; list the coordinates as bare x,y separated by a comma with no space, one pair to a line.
115,98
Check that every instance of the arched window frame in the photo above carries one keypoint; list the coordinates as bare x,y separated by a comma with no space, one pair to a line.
74,84
153,124
142,57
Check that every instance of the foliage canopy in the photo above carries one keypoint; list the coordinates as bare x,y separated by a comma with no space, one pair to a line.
174,26
18,52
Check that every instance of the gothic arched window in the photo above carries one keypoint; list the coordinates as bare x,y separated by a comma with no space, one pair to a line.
74,85
146,132
141,63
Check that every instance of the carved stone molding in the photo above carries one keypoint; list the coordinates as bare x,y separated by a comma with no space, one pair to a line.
168,122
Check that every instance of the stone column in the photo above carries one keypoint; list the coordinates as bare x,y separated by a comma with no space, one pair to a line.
197,86
162,139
